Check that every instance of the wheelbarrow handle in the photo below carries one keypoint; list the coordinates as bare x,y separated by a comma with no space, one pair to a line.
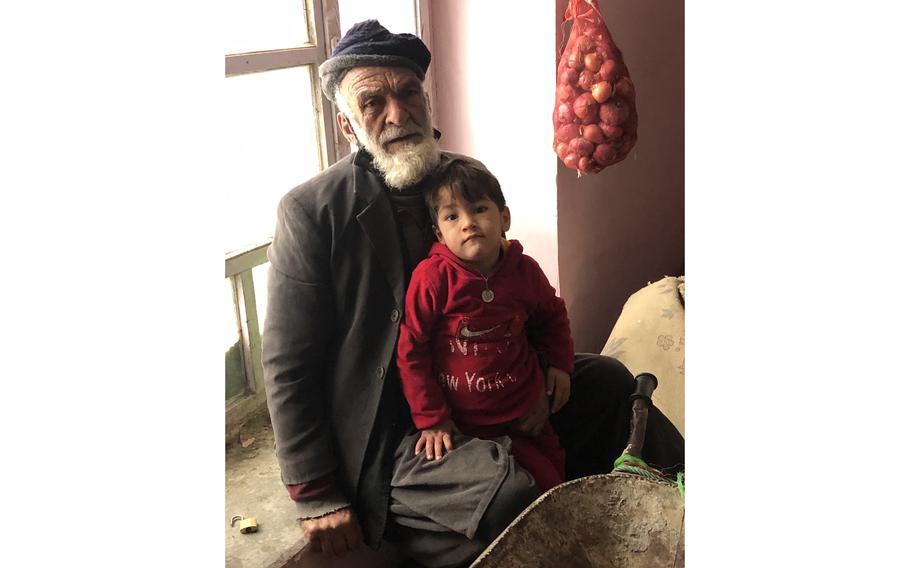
645,383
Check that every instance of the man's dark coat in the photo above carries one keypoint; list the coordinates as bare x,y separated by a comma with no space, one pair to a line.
336,295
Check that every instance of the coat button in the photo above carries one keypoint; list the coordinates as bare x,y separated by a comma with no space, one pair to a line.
379,372
395,314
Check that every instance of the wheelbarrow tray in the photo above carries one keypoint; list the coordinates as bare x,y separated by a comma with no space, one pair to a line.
616,520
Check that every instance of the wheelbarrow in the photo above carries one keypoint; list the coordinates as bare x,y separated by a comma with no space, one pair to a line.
621,519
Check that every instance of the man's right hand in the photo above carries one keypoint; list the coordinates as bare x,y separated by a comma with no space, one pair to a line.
334,534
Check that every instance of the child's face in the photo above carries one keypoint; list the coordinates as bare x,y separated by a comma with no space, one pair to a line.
472,231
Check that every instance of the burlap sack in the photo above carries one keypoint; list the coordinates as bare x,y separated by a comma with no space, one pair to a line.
649,336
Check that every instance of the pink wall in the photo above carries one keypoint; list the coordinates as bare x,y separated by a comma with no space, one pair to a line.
624,226
494,96
495,65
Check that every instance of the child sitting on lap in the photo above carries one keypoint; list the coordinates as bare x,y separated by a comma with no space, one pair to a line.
479,316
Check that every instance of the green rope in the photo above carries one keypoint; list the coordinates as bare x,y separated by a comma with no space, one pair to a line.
629,458
630,464
638,471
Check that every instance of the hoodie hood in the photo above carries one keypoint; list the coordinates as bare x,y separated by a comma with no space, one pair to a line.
510,257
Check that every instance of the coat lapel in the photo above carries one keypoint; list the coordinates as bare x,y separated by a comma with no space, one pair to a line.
378,223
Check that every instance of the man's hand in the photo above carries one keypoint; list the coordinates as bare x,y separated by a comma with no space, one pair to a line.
558,387
534,420
437,440
334,534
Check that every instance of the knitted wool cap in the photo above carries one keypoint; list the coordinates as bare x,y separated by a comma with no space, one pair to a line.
368,44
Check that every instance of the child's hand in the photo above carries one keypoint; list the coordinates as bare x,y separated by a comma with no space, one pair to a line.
558,386
437,440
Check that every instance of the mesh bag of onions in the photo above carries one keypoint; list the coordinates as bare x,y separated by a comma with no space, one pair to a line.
594,121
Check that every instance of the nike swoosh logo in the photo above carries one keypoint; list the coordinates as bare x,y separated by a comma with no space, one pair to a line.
466,332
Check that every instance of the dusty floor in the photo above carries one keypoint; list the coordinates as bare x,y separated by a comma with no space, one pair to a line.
253,488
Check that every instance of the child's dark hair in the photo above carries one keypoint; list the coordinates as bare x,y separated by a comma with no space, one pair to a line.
467,178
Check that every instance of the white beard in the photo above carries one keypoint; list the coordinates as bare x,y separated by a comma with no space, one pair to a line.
407,166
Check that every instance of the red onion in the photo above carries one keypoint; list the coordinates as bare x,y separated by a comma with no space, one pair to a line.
610,132
569,76
566,92
608,69
593,134
604,154
585,107
576,61
586,80
601,91
611,112
566,132
581,147
625,89
561,150
571,161
593,62
565,114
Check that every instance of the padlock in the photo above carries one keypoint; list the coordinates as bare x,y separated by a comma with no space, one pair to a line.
246,525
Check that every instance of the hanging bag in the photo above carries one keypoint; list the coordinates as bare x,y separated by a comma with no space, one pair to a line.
594,120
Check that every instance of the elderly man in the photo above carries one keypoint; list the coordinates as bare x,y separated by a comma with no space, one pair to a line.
345,244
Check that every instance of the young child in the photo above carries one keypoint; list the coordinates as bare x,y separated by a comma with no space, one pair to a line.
479,316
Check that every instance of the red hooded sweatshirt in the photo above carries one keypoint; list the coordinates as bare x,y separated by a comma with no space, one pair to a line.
475,361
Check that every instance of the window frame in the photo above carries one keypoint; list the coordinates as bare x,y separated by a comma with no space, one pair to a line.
312,54
323,26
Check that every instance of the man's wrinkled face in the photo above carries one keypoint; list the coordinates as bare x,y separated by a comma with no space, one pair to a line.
387,114
388,103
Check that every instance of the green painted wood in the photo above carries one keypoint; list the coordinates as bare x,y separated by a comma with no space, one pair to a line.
238,261
235,381
234,376
249,327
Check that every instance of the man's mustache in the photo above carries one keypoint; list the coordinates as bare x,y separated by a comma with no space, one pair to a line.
392,132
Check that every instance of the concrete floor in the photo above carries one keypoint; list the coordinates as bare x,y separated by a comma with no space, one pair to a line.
253,488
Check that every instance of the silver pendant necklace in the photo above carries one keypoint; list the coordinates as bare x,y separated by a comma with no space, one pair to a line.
487,295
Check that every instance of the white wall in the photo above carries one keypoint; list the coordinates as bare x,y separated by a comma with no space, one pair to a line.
494,64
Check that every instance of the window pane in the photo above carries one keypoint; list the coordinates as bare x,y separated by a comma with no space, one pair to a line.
259,25
271,146
397,16
234,381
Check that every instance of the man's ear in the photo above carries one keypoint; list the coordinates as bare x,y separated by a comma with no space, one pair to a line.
345,126
506,220
438,234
